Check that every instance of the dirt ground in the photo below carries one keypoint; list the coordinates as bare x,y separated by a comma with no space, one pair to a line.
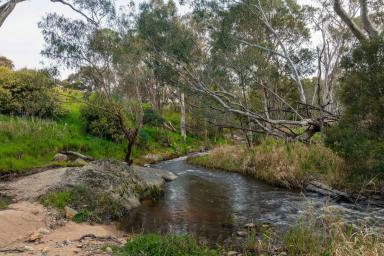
28,228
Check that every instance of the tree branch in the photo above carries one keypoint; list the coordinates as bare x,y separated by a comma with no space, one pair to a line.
368,26
357,32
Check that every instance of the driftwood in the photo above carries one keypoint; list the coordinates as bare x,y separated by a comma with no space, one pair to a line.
322,189
78,155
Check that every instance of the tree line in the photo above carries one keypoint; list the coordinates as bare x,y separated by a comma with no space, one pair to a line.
247,65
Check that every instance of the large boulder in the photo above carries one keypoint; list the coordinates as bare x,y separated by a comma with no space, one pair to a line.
123,184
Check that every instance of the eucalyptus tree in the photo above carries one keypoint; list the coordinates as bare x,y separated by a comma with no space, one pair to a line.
95,48
261,50
8,6
167,35
369,29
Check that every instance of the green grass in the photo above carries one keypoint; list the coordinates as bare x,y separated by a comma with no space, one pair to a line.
155,245
27,143
4,202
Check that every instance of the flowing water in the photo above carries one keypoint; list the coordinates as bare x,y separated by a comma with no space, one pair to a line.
215,204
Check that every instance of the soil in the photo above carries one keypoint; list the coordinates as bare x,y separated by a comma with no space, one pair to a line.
28,228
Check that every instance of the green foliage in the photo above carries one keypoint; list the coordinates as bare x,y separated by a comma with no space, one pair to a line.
101,119
32,142
359,136
302,240
27,93
4,202
58,199
91,206
5,62
155,245
152,118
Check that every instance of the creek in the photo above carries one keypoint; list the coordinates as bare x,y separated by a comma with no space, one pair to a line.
213,205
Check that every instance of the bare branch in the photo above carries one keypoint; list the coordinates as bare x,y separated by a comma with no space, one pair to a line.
359,34
7,8
368,26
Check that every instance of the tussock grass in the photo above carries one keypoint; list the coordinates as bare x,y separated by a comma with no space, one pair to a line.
155,245
328,235
289,165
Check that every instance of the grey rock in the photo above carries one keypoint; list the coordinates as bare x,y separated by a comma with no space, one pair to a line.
124,184
60,158
242,233
43,231
79,162
250,225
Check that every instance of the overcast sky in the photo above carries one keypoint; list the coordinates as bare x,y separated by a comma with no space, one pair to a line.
20,38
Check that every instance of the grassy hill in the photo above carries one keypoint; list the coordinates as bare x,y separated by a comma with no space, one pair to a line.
27,143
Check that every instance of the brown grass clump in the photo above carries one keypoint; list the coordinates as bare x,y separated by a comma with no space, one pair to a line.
289,165
328,235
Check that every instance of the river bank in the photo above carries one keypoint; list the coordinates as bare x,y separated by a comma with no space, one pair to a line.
29,228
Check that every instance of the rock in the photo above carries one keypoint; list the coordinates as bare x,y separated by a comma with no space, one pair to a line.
155,176
153,157
250,226
66,242
70,213
60,157
79,162
28,248
34,237
74,154
43,231
232,253
108,250
242,233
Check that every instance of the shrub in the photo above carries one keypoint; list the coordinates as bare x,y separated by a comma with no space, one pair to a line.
100,119
152,118
155,245
91,206
27,93
359,136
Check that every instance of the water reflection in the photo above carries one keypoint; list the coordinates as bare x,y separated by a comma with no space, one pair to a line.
214,204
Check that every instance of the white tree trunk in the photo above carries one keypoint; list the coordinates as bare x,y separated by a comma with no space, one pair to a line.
182,116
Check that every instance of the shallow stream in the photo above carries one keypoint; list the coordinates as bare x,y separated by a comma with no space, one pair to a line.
215,204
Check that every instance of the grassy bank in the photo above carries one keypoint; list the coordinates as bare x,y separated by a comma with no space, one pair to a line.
27,143
322,236
155,245
326,236
289,165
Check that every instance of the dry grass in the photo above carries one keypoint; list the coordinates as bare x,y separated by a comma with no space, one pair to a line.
289,165
328,235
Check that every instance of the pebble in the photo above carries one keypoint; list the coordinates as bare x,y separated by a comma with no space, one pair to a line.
34,237
43,231
28,248
242,233
250,225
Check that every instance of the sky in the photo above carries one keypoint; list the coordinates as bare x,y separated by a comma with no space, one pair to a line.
22,41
